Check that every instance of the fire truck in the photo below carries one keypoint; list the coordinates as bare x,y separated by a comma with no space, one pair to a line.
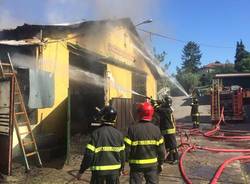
231,91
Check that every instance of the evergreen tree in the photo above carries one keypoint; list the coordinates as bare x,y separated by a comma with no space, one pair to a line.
240,55
161,58
163,81
245,64
191,57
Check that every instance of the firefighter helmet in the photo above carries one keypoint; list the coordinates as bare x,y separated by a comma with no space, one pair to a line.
195,100
108,114
167,100
145,111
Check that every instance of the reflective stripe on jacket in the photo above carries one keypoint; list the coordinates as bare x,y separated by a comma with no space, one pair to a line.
144,145
167,122
105,152
169,131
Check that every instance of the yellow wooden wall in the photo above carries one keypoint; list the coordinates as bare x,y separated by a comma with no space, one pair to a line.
119,80
117,44
54,59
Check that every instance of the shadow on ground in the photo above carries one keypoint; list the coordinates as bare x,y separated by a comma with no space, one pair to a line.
187,119
203,100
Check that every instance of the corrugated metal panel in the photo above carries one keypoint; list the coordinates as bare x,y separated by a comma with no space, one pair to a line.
124,109
6,126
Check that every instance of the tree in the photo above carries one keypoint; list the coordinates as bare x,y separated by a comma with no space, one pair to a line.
191,57
161,58
245,64
163,81
240,55
188,80
188,75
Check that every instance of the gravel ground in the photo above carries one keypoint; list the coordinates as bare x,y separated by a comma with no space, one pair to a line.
199,165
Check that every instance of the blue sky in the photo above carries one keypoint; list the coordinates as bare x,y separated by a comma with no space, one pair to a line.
213,22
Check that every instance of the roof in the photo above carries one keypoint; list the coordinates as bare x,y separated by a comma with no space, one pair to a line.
20,42
213,65
216,64
232,75
59,31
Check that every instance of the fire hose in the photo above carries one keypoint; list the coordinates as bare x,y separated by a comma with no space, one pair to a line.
210,134
222,166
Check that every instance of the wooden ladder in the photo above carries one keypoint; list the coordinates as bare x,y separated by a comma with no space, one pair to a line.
21,119
215,108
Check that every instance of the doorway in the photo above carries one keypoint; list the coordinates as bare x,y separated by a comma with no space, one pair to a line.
86,91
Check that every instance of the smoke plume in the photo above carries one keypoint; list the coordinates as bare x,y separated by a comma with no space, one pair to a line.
7,21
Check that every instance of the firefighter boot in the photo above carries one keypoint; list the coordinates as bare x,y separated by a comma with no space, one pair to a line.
176,157
170,157
196,124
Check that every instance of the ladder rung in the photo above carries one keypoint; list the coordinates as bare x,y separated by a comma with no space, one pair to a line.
19,113
22,123
8,73
27,143
6,64
17,103
23,133
30,154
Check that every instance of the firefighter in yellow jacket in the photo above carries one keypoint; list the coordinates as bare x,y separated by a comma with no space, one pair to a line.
105,153
195,112
145,147
167,127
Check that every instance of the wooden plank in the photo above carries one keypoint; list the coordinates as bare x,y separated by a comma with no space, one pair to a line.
6,126
4,129
124,111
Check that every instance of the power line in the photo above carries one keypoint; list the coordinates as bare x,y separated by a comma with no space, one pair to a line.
183,41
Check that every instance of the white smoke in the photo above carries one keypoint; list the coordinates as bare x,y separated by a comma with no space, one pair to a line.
137,10
7,21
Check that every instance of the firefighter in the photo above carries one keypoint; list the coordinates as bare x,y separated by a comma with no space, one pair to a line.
105,153
144,147
167,127
195,112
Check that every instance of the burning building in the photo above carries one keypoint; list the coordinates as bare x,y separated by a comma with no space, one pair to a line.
91,63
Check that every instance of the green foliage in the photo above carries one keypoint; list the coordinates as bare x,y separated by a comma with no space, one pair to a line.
206,78
245,64
188,75
227,68
191,57
164,81
188,80
241,58
161,58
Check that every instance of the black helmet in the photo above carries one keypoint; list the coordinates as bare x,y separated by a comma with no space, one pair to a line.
108,114
167,100
194,100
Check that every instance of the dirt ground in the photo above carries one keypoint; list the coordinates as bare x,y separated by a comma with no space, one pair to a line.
199,165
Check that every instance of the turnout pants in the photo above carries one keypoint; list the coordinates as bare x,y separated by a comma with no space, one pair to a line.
171,147
104,179
150,174
196,120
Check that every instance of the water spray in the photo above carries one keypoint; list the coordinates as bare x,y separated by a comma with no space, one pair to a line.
151,58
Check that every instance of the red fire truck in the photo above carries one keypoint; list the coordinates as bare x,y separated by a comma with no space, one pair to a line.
231,92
